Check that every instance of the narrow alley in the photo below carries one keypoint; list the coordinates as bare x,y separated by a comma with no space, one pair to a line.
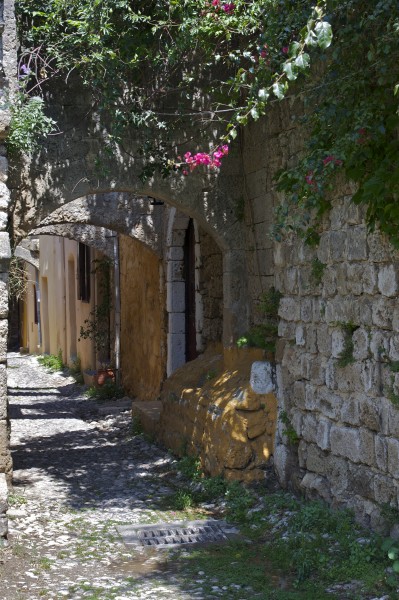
78,475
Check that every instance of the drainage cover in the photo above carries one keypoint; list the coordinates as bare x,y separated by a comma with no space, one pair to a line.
165,535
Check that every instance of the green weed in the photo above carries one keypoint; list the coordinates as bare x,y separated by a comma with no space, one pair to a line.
51,361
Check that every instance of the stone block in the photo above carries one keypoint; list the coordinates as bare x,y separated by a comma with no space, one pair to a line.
342,279
364,310
369,413
371,378
380,250
3,169
300,335
323,249
357,243
306,310
316,487
318,370
388,281
331,374
316,460
256,423
329,282
360,340
361,481
238,456
394,347
177,323
309,428
369,278
367,445
290,309
354,285
338,475
324,340
337,342
305,281
381,452
290,280
338,245
393,457
323,434
384,490
3,339
175,297
350,410
262,378
5,248
299,394
287,330
345,441
382,312
5,197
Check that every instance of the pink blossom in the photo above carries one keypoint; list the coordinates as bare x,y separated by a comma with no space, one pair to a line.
225,149
309,178
285,49
228,7
185,172
328,159
215,2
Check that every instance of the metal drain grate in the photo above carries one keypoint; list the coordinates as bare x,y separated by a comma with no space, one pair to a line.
165,535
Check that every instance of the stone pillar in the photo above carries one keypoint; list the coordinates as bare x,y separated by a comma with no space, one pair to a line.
8,67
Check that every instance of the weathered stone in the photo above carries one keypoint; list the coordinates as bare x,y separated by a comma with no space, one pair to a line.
337,342
357,243
384,490
323,434
369,278
360,340
316,460
382,313
338,245
345,442
350,411
238,456
369,413
388,281
361,481
289,309
393,457
262,377
316,487
381,452
256,423
309,428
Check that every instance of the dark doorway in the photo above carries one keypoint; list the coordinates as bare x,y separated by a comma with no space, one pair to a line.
189,271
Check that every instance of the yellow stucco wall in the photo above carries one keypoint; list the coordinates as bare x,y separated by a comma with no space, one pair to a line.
210,410
143,335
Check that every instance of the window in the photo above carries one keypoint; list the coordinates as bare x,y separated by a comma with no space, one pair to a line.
84,273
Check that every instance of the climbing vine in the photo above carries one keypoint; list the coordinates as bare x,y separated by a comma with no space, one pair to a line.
352,116
173,70
163,66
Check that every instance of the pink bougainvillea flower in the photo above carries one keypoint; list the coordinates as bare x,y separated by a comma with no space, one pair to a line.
263,54
309,178
228,7
285,49
185,172
328,159
215,2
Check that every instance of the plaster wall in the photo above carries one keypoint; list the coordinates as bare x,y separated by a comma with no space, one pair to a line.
143,325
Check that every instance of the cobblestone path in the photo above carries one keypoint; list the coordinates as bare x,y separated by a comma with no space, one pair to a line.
77,476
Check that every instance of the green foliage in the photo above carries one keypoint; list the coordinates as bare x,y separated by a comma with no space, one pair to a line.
108,391
352,114
51,361
317,271
264,335
137,427
345,357
29,124
139,59
391,547
290,433
190,467
97,326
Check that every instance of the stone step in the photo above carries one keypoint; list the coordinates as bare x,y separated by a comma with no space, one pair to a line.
148,414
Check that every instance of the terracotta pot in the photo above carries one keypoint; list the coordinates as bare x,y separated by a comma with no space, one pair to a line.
102,375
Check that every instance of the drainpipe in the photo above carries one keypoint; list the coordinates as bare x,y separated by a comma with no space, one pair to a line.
39,324
117,311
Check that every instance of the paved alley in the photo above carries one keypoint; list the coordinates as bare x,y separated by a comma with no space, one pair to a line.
77,476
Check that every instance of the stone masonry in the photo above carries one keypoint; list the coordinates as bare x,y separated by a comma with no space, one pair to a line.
7,73
338,350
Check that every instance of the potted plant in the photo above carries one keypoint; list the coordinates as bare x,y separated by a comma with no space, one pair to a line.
97,326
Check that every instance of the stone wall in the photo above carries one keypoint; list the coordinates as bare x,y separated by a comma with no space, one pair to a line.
338,383
209,409
7,82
